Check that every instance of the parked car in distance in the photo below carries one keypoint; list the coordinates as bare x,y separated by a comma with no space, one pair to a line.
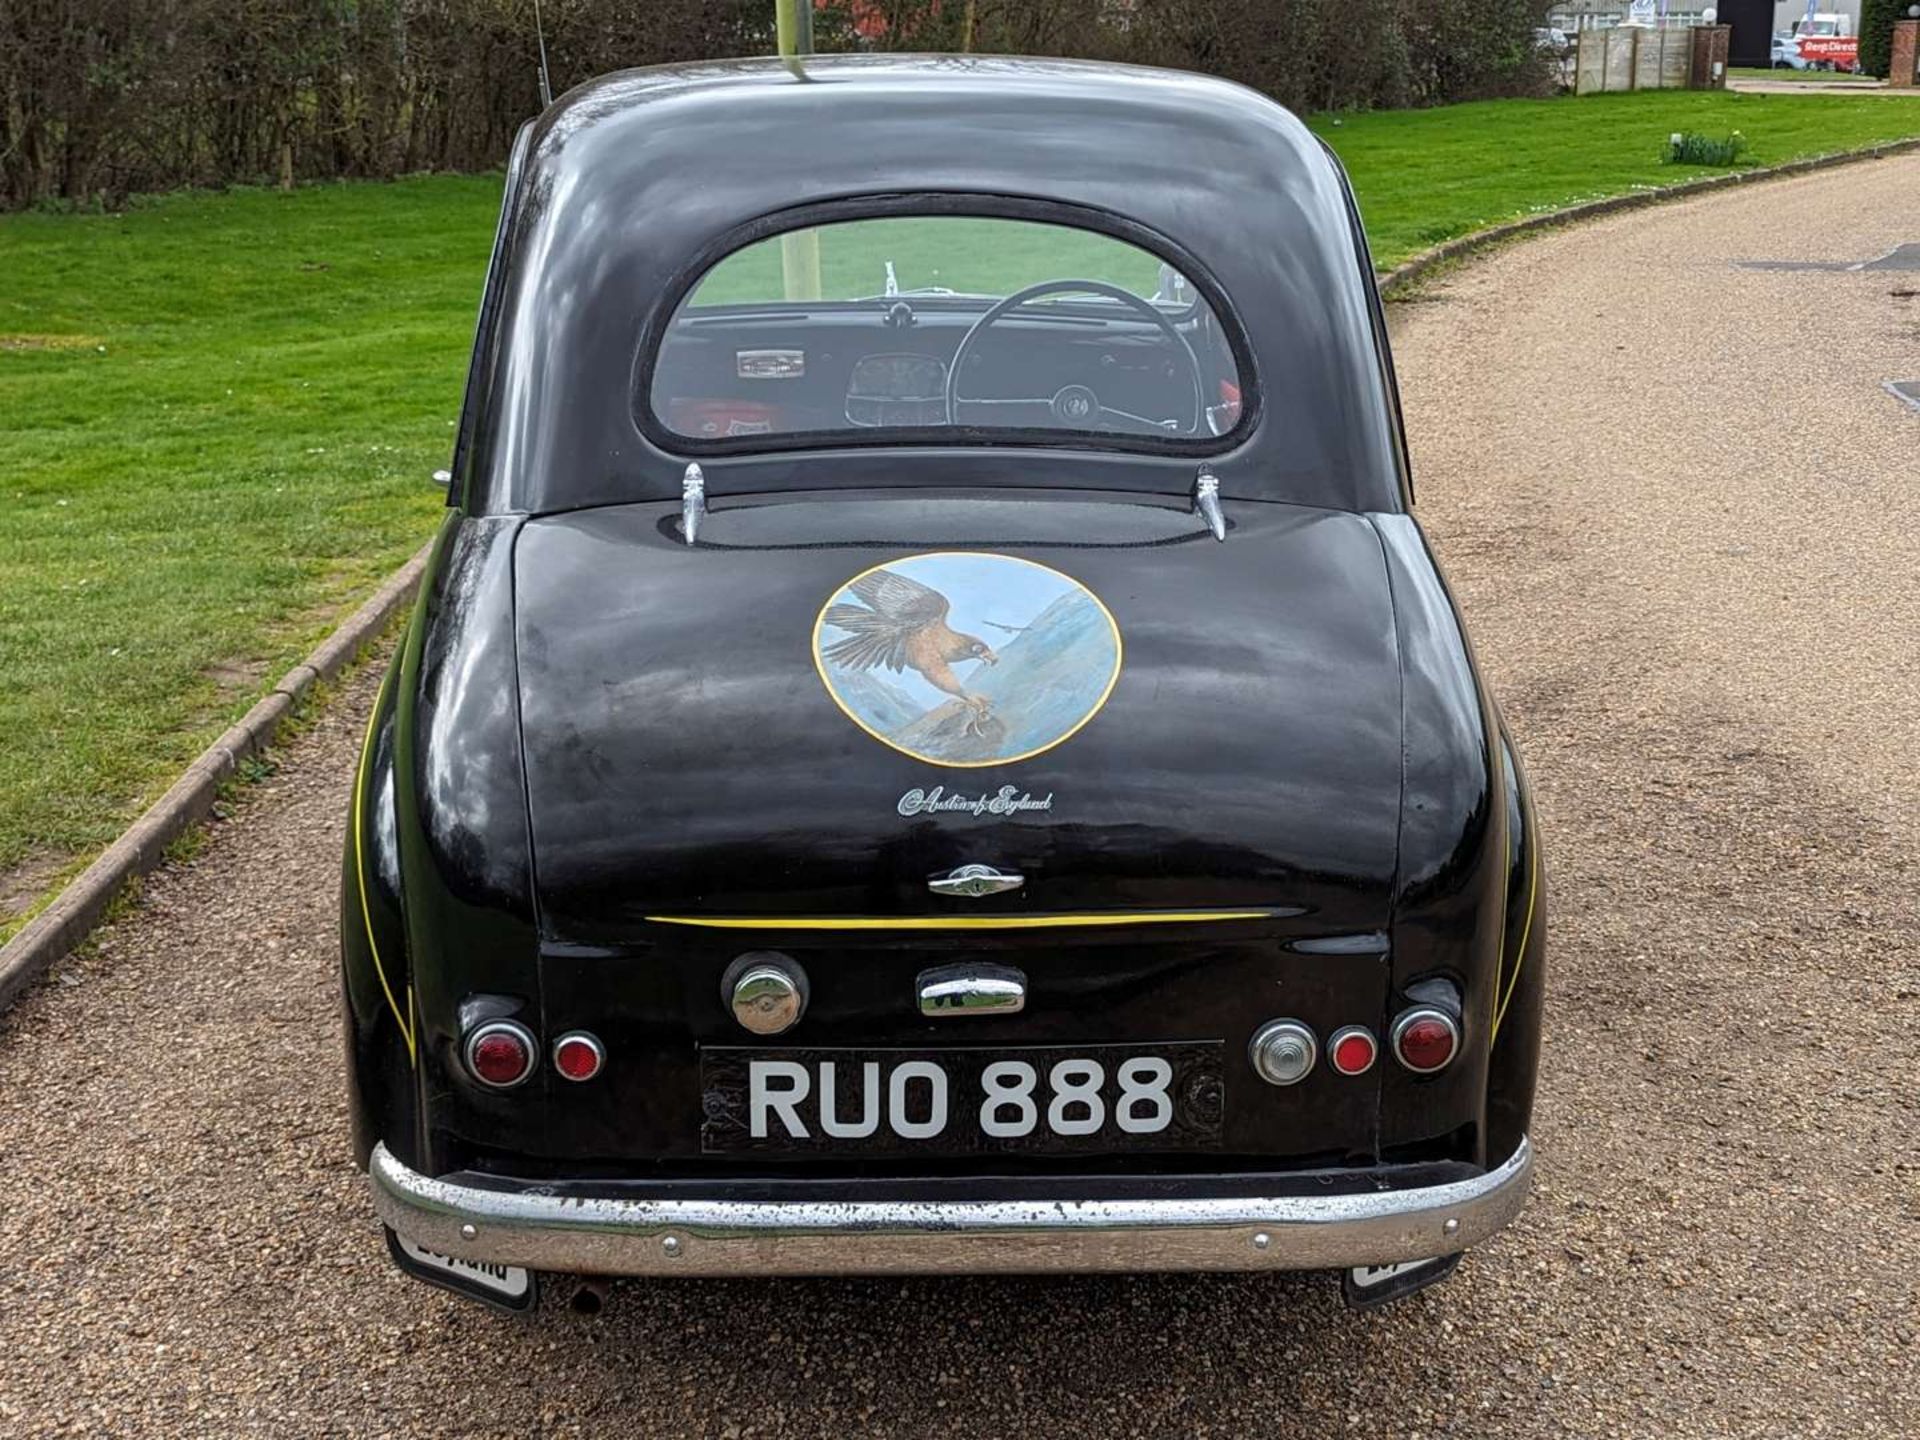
1786,53
930,738
1558,47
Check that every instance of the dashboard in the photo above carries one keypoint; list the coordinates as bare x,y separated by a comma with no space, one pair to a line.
742,373
897,390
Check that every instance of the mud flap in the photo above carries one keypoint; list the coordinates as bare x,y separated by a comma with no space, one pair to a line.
1366,1286
505,1287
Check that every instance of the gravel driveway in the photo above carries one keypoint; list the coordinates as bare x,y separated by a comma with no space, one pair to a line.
1679,511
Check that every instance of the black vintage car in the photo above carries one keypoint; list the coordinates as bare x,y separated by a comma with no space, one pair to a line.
930,739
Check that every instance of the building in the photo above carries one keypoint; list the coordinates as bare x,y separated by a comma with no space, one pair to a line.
1754,22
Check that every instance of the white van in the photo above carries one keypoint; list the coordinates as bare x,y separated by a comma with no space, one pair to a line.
1825,26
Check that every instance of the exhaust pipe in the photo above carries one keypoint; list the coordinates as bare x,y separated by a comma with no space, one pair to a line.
591,1297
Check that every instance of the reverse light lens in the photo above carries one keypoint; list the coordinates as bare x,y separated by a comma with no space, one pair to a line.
1425,1039
500,1054
1353,1050
1283,1052
578,1055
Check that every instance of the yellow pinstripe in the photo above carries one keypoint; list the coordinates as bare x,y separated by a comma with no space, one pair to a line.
1526,932
960,922
360,875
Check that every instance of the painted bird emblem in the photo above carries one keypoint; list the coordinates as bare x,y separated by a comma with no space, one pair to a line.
902,625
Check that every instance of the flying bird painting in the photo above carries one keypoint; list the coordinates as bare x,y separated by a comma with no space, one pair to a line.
904,624
900,648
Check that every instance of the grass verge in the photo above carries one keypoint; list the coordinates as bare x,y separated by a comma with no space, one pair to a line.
218,412
1428,176
217,418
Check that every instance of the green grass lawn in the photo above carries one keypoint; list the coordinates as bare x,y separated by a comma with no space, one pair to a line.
1424,176
960,253
218,413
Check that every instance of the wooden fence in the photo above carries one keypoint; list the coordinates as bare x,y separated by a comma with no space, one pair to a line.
1633,57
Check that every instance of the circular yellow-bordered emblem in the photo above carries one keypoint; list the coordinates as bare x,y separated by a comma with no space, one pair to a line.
965,658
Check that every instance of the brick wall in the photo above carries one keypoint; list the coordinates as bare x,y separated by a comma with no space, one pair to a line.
1709,68
1906,40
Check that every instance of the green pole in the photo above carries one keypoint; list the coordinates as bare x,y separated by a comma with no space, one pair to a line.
799,253
793,21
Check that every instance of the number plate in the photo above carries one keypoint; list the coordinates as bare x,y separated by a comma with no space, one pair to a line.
1165,1096
1365,1286
505,1285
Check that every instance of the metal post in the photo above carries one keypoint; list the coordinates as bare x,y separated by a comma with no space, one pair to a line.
793,23
800,252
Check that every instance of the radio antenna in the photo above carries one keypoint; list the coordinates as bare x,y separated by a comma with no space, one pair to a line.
540,34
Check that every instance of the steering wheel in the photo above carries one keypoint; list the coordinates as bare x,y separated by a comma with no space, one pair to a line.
1073,407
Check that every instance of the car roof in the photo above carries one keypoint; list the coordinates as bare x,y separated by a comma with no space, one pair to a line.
627,186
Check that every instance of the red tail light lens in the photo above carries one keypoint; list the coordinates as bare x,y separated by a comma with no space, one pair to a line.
1353,1050
1425,1039
578,1055
500,1053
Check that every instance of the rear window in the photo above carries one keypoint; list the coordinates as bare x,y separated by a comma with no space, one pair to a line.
945,327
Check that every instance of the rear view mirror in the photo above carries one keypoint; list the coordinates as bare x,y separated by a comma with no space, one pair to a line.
443,478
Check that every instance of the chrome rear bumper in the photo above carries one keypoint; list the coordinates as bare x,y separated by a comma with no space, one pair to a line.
598,1236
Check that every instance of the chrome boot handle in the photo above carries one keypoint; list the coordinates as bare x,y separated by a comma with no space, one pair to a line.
973,881
971,990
